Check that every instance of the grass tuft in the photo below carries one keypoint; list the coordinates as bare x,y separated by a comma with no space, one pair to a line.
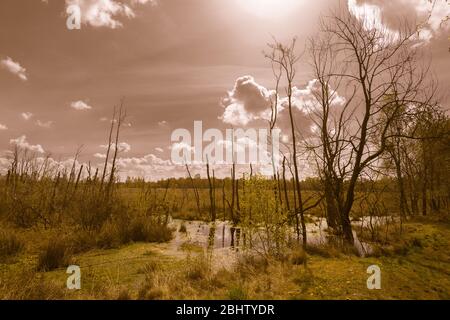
10,245
56,254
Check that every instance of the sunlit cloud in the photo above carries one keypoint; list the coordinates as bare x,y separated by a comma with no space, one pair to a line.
431,17
99,155
14,68
105,13
122,147
22,143
246,102
80,105
26,115
44,124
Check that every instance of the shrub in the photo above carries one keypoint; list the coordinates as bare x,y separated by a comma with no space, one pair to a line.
55,255
297,256
150,267
237,293
249,264
110,236
323,250
82,241
10,245
148,292
197,268
26,284
416,242
145,230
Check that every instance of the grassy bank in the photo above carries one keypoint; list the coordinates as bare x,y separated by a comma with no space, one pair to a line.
417,267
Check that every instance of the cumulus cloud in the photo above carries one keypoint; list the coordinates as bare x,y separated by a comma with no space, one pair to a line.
236,114
80,105
22,143
122,147
182,147
26,115
249,101
246,102
152,2
44,124
384,15
149,167
3,127
371,16
100,155
306,99
14,68
159,149
105,13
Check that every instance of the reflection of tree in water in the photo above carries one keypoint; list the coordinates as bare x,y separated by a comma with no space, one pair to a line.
210,247
211,237
232,230
235,237
223,236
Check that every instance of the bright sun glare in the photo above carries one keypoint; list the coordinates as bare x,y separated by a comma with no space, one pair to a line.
269,8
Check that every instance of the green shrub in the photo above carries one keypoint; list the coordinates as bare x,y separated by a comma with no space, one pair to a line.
145,230
110,236
237,293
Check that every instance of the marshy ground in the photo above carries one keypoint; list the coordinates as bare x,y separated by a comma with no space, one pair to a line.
415,265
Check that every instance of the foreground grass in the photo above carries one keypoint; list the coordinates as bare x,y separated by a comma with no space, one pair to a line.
420,270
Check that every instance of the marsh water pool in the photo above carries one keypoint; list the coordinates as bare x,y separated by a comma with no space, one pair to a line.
223,243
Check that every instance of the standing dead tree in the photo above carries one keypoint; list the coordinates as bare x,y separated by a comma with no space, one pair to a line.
194,187
212,192
285,57
108,150
120,120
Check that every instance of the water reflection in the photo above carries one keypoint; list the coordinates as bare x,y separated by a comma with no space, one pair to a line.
222,237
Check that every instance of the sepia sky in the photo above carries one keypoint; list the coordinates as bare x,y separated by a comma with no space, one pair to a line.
173,62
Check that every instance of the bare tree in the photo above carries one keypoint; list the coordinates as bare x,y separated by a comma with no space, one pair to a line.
194,187
286,58
121,118
365,77
212,192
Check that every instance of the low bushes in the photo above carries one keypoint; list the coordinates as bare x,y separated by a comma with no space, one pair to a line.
10,245
56,254
27,284
139,229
